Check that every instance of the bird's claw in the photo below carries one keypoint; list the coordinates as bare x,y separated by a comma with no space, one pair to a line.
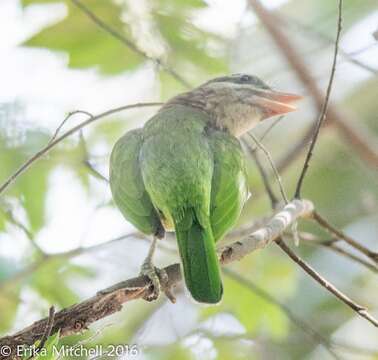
154,289
158,281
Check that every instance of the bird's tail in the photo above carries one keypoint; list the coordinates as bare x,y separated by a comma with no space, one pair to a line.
200,262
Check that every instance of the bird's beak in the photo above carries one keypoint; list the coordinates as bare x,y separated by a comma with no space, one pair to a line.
275,102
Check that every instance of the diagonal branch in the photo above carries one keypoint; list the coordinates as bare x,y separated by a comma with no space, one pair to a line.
78,317
48,329
331,245
57,140
264,176
354,135
269,233
271,162
323,111
342,236
360,310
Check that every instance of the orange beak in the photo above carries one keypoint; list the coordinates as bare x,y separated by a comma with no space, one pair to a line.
275,102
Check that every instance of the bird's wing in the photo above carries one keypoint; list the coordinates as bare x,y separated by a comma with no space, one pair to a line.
229,185
127,186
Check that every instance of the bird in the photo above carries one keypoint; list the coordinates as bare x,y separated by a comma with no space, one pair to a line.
184,171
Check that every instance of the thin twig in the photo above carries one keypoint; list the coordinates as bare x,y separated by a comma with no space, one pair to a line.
331,245
70,114
12,219
316,276
45,335
129,43
360,310
355,135
322,115
342,236
362,49
275,171
93,171
268,188
79,316
315,336
76,128
49,325
270,128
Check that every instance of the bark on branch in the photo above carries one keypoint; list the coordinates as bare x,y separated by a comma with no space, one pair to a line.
78,317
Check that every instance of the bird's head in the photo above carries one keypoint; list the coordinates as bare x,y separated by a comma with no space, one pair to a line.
237,103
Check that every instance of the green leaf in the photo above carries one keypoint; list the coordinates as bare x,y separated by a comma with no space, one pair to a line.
85,42
88,45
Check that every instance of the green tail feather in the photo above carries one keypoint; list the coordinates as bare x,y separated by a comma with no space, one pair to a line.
200,262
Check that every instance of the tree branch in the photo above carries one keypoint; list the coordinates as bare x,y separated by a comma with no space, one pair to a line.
48,329
313,273
57,140
360,310
332,246
273,166
342,236
78,317
69,115
269,233
353,135
322,115
271,195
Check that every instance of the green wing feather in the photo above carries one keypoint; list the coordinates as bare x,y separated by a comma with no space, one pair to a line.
127,185
229,185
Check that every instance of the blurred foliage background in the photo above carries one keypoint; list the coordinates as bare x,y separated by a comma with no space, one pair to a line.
62,239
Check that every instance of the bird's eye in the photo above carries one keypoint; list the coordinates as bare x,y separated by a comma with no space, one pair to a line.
245,78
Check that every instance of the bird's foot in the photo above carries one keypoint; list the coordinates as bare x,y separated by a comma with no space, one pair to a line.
159,282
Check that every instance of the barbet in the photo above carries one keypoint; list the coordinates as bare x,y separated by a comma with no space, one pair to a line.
184,171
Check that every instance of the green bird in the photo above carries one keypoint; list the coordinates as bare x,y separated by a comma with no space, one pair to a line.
184,171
